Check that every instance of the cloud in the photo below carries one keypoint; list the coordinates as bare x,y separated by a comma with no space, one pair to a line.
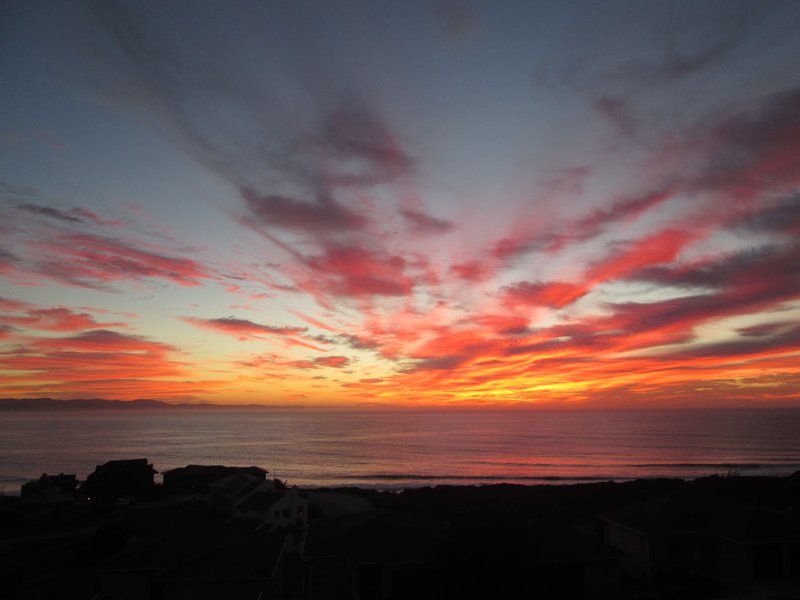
97,363
472,270
781,340
359,148
8,260
50,319
618,112
313,321
424,223
661,247
321,166
552,294
359,342
105,340
93,261
780,217
335,362
438,363
355,271
322,215
750,154
48,211
11,305
243,328
767,329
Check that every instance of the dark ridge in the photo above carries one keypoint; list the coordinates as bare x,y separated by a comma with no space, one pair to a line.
92,403
54,404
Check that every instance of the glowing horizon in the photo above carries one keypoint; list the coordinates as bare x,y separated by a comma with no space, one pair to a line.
435,204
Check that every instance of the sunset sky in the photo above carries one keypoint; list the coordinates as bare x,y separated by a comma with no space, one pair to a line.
290,202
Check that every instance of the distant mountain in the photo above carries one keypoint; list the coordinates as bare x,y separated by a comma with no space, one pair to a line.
55,404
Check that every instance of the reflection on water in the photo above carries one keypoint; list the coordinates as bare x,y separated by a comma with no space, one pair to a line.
402,448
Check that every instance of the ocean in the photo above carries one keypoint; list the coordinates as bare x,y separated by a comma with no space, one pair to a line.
402,448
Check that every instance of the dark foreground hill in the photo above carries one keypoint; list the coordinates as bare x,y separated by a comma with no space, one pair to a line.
212,531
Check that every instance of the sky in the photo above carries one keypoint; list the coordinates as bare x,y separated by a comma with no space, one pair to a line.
569,204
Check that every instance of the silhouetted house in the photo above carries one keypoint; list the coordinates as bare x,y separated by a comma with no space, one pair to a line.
50,489
212,562
243,567
372,555
121,478
571,564
236,486
689,537
194,478
272,506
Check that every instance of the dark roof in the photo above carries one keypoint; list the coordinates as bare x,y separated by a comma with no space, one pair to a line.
125,466
236,483
260,500
699,513
196,477
224,469
211,553
121,478
238,557
65,480
556,543
164,552
126,462
375,536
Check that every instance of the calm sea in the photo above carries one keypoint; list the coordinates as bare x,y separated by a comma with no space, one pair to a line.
405,448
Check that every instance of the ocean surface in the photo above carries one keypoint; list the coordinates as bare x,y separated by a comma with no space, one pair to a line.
407,448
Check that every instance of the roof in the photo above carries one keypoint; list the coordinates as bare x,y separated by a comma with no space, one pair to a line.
375,536
239,557
212,553
125,465
557,543
260,500
163,552
194,477
214,471
699,513
235,483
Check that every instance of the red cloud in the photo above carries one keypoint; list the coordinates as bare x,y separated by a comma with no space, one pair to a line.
243,328
93,261
658,248
51,319
472,270
104,340
553,294
9,305
313,321
354,271
336,362
96,362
